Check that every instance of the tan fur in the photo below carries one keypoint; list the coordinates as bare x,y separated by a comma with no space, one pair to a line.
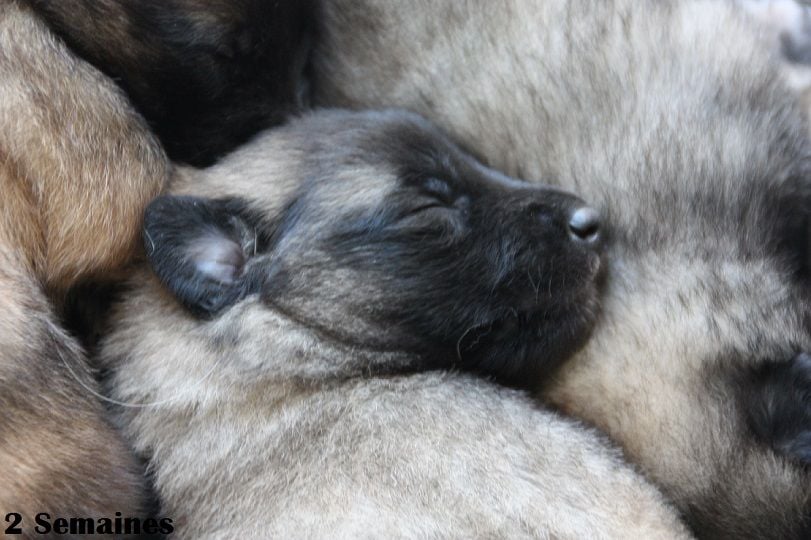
257,425
105,28
77,167
206,74
58,453
80,158
671,118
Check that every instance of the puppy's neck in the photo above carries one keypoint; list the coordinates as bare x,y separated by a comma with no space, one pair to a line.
272,344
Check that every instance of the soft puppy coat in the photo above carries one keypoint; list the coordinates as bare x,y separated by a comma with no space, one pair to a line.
290,353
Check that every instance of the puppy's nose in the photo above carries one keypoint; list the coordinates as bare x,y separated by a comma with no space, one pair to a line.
584,225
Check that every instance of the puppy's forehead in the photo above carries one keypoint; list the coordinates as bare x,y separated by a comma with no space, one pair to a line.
267,171
344,159
356,188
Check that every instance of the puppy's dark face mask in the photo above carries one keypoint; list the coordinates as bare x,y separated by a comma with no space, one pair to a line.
392,238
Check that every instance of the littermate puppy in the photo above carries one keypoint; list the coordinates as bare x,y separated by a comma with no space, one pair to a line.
77,168
275,356
206,74
672,118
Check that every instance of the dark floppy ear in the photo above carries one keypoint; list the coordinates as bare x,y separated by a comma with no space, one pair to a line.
198,248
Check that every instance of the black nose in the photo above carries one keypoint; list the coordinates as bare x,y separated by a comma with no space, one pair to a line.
584,225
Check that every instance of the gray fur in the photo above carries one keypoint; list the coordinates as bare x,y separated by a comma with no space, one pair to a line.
673,119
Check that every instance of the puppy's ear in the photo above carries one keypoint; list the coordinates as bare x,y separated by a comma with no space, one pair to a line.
199,248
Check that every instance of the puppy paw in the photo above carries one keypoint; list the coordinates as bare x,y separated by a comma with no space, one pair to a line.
779,407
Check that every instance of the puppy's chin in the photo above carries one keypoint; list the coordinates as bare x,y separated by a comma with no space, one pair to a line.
520,348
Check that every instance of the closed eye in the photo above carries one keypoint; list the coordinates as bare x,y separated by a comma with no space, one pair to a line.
429,204
438,189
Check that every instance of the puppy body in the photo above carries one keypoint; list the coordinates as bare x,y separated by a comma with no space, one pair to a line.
58,453
77,167
206,74
671,118
292,409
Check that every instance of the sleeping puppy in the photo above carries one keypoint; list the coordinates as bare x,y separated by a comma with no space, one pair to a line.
278,353
673,119
206,74
77,168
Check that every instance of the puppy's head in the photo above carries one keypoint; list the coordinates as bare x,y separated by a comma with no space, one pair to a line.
377,231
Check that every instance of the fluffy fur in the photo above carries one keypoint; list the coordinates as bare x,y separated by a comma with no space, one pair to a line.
77,168
787,27
672,118
277,349
206,74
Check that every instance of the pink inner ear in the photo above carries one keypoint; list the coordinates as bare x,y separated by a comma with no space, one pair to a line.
217,257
